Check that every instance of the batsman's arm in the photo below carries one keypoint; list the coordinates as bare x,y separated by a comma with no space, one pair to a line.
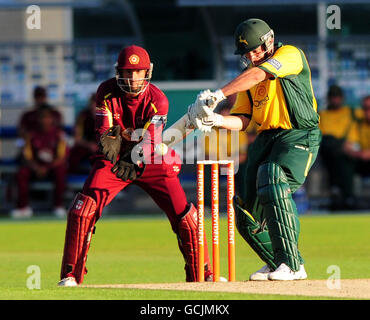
235,122
245,81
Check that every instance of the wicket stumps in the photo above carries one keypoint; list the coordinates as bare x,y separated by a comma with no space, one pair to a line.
215,218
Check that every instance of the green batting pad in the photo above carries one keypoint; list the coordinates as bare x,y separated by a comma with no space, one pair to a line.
281,214
254,233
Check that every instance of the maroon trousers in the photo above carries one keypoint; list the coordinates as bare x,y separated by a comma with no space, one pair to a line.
160,181
57,175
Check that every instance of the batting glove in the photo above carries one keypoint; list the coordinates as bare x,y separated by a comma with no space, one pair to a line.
212,119
212,99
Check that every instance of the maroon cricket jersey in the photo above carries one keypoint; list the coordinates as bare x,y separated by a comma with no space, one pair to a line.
146,111
44,148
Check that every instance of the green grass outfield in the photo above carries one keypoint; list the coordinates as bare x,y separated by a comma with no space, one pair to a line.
144,250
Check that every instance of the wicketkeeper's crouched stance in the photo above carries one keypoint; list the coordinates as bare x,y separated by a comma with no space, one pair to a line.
124,104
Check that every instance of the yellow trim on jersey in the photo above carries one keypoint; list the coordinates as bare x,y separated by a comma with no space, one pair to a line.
146,126
27,151
110,116
154,107
61,149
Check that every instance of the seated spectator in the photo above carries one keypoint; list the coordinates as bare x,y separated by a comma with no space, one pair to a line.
338,127
361,151
85,144
30,118
43,157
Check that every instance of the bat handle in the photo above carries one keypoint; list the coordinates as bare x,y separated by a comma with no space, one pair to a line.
211,102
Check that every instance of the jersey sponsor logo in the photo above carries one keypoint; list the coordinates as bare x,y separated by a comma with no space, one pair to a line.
79,205
176,168
134,59
241,40
159,119
260,103
101,113
260,99
261,91
117,116
276,64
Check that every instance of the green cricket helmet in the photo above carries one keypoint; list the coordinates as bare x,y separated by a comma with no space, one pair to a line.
252,33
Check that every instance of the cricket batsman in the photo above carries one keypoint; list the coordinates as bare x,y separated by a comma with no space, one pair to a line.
126,105
276,91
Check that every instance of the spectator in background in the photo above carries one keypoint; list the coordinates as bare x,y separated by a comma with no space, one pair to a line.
338,127
361,151
43,157
29,119
85,144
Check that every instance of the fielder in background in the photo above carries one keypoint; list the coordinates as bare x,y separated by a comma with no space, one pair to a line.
276,91
130,111
360,150
363,155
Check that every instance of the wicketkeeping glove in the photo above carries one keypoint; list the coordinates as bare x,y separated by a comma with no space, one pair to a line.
110,143
125,169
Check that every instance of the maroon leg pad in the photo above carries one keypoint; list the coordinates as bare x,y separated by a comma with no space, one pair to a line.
188,244
80,225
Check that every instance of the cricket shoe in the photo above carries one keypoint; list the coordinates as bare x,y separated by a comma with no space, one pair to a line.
67,282
261,274
284,273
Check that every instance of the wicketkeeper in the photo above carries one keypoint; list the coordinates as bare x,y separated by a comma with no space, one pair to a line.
276,91
130,116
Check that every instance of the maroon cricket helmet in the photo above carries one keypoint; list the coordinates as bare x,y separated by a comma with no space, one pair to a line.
133,57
